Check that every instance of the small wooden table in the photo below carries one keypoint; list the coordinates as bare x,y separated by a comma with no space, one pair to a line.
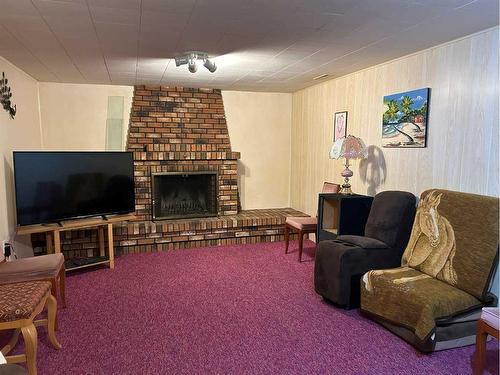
53,233
486,325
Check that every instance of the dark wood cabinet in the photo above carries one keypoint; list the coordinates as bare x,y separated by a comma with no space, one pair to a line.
340,214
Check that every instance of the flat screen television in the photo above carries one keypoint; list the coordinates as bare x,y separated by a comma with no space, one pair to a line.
56,186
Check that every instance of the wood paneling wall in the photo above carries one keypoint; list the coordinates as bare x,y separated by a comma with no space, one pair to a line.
462,150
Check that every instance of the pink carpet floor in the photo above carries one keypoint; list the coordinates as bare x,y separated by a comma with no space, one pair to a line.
225,310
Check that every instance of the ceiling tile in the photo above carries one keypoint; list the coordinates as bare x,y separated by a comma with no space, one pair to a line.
119,4
169,6
159,21
119,16
17,8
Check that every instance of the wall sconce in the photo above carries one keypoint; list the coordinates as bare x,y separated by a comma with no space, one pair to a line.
5,96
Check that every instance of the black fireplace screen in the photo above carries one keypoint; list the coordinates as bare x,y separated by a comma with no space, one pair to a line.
183,195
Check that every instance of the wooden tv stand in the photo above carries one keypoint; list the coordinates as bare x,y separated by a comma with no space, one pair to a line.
53,234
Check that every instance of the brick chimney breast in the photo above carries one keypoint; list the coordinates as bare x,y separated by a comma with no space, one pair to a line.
176,129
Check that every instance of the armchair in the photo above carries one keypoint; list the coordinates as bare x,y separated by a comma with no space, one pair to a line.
434,299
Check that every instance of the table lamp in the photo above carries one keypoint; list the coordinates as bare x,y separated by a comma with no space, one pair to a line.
349,147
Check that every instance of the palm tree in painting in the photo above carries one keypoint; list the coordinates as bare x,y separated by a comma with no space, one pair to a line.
409,113
423,110
392,111
391,117
406,104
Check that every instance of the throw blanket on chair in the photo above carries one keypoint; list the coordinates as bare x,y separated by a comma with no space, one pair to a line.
446,267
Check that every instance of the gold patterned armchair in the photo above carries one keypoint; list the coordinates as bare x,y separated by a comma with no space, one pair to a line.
435,298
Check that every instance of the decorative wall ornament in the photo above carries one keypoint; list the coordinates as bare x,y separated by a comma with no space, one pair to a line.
405,119
5,96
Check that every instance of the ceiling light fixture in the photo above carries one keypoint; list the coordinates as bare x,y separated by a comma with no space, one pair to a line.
190,58
210,65
192,67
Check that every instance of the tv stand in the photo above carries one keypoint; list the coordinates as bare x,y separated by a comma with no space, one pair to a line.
50,224
53,235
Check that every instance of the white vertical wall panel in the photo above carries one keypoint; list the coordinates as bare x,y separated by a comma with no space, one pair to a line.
462,149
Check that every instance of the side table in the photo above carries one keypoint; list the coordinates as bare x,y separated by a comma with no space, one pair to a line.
340,214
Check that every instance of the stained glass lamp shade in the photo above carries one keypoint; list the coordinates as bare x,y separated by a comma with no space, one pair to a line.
349,148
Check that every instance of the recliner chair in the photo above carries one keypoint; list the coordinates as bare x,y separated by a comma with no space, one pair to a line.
340,263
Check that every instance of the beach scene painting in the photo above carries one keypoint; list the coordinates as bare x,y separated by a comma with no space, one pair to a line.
405,119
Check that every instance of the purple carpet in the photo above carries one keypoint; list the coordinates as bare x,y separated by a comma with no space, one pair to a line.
227,310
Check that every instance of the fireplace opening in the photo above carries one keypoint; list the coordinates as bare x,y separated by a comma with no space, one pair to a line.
184,195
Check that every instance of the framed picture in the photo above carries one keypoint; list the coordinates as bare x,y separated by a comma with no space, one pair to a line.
404,124
339,125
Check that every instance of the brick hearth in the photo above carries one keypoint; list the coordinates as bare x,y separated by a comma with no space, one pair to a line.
249,226
175,129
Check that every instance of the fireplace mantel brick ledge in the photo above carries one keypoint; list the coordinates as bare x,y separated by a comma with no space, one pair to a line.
176,129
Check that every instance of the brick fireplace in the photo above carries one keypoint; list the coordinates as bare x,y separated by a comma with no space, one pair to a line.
175,130
180,195
186,180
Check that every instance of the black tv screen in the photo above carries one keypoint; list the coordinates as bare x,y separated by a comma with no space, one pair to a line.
56,186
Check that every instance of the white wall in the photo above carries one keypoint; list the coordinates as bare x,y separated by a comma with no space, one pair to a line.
21,133
74,115
259,127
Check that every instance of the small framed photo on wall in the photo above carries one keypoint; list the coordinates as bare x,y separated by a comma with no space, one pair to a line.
339,125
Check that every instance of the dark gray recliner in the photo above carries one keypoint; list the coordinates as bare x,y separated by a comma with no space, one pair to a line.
340,263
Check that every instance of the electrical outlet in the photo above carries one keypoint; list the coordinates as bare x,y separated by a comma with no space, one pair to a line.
6,249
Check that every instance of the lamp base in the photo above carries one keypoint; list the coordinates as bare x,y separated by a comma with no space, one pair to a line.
346,173
346,189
